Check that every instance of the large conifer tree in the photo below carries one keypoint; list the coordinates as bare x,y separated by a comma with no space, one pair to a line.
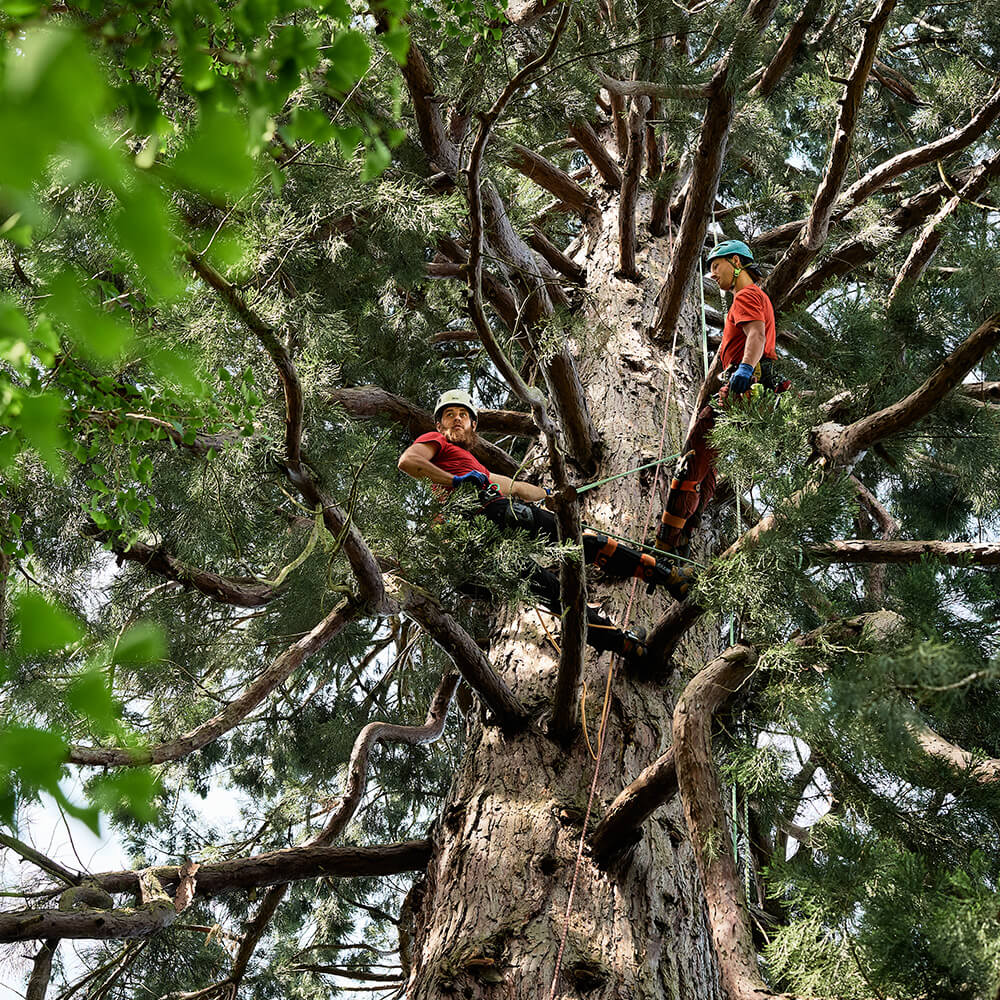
245,246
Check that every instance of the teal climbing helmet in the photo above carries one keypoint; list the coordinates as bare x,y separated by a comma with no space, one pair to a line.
728,248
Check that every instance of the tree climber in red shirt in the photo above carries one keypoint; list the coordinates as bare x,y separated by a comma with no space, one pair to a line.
748,355
444,457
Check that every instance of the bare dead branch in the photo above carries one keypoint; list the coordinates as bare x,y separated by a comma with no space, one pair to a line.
808,243
234,712
546,174
469,660
852,550
840,444
790,45
985,391
647,88
201,445
704,182
96,925
597,153
42,861
239,591
634,159
927,243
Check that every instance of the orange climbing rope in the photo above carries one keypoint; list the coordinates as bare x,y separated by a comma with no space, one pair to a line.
605,710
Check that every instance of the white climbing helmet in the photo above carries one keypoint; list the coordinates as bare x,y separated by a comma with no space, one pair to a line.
455,397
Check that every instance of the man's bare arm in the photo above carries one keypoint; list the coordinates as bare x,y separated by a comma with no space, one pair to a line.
416,462
753,351
511,487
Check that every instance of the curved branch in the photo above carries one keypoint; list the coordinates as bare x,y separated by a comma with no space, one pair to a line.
239,591
701,793
660,91
234,712
469,660
807,244
841,444
983,770
363,563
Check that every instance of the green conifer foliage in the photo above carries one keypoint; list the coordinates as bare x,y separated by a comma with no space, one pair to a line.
237,266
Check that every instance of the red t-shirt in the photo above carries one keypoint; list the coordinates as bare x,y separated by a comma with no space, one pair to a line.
749,303
452,458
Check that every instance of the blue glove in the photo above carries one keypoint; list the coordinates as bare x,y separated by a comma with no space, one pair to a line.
740,381
473,478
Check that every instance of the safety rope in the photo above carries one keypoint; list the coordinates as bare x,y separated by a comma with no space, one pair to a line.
606,709
628,472
640,545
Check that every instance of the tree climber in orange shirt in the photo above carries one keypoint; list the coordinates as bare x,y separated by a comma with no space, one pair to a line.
748,355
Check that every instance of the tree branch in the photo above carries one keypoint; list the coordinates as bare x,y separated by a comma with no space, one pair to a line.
982,770
634,158
597,152
235,711
661,91
546,174
849,551
542,245
927,243
704,183
363,563
618,830
239,591
469,660
41,971
840,445
797,258
783,58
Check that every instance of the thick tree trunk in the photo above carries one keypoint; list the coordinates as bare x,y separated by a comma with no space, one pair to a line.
489,917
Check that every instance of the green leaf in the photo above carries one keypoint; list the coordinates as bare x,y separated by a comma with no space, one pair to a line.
42,427
215,160
134,789
397,41
349,58
376,160
35,756
142,225
197,70
101,335
143,643
42,625
348,139
338,9
90,696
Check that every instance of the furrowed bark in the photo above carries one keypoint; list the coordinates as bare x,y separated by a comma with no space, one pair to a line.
239,591
469,660
708,159
848,551
597,153
925,246
807,245
234,713
634,159
840,445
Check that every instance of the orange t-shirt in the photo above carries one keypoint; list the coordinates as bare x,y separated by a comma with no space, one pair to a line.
749,304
